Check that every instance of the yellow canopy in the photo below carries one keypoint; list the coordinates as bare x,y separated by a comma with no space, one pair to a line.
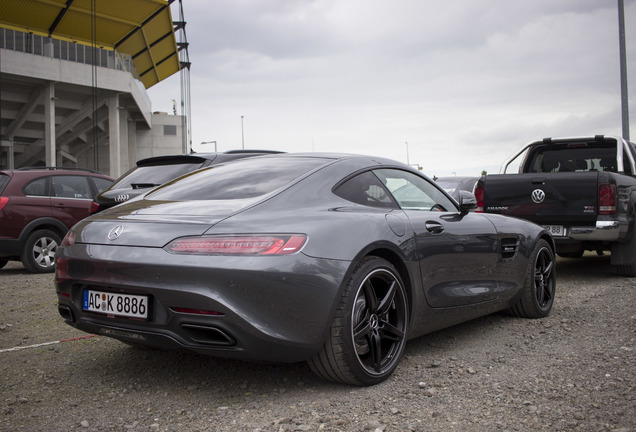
141,28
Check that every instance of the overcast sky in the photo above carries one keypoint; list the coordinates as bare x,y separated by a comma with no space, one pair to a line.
465,83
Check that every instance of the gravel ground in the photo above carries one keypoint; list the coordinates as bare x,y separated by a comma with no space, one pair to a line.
572,371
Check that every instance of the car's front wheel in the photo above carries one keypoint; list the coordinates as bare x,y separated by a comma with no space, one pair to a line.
38,255
368,333
538,292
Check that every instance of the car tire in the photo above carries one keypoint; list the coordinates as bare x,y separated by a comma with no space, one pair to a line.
537,296
367,336
3,262
627,270
38,255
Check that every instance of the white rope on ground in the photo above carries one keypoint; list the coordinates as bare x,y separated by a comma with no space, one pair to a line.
18,348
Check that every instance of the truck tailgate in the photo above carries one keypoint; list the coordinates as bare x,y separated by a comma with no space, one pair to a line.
564,198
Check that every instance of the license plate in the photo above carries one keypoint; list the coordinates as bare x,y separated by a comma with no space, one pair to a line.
555,230
123,305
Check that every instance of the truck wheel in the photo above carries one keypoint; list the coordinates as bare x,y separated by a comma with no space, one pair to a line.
38,255
537,296
627,270
368,333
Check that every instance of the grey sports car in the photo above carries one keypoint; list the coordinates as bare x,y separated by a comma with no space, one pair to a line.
333,259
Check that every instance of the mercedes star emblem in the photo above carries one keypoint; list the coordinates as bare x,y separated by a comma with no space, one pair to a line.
115,232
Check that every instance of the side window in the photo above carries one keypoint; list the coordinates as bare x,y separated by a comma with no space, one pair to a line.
413,192
365,189
71,187
36,187
101,184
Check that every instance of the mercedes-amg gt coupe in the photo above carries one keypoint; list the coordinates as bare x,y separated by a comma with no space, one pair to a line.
332,259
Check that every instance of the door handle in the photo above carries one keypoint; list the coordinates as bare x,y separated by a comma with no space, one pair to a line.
434,227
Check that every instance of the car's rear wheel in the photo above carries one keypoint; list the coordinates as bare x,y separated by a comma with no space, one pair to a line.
538,292
3,262
368,333
38,255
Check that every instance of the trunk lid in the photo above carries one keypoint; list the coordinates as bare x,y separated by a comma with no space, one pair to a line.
155,223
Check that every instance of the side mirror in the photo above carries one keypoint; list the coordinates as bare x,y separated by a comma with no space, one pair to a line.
467,201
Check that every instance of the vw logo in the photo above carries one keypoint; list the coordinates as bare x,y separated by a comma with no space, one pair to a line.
538,196
115,232
121,198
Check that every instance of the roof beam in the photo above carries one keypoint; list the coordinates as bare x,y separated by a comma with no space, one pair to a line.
152,59
59,17
140,27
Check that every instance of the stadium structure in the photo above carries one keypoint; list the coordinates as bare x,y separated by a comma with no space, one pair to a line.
73,81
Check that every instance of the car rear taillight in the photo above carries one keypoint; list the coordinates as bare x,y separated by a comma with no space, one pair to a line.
273,244
93,208
3,202
61,269
69,238
479,195
606,198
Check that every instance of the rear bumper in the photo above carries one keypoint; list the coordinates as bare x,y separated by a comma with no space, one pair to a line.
264,309
605,231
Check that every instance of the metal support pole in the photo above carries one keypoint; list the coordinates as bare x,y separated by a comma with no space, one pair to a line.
623,62
242,135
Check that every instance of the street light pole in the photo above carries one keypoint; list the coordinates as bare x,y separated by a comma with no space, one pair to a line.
242,135
210,142
623,68
407,153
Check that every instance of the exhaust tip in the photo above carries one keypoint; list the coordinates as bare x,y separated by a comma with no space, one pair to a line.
66,313
208,335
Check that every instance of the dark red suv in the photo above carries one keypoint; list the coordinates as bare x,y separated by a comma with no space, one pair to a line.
38,206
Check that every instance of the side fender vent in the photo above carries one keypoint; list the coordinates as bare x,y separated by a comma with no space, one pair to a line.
509,247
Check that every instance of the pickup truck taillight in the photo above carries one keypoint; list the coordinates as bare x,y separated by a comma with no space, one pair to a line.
606,198
479,194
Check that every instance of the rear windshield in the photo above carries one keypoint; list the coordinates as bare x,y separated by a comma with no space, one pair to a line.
246,178
584,156
154,175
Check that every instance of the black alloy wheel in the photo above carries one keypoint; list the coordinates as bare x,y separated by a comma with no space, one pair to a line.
538,293
544,278
368,334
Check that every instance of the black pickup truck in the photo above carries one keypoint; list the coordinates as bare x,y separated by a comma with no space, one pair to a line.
582,189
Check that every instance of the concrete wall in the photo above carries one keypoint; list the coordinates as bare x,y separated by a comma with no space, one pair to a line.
165,137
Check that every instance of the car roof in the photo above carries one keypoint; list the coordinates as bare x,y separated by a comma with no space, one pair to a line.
38,171
200,157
